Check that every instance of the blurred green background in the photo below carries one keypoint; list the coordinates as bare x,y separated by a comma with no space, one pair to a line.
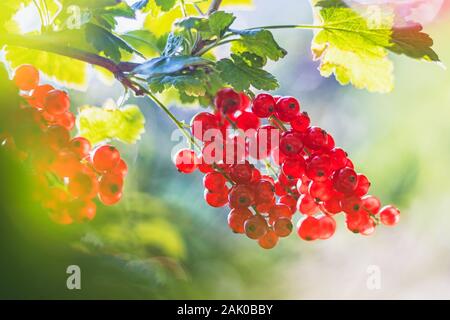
164,242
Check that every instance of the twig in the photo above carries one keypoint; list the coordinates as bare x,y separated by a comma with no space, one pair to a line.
215,5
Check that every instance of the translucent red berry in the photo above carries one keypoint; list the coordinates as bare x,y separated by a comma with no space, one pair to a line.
204,126
247,120
105,158
26,77
56,102
255,227
214,181
309,229
316,138
291,144
283,227
389,215
327,227
301,122
186,161
216,199
345,180
263,105
269,240
237,218
307,205
241,196
241,173
287,108
227,101
111,185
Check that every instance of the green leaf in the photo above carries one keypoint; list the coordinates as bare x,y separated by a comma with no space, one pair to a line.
353,49
144,41
66,71
166,5
412,42
241,72
191,84
259,42
214,26
99,124
169,65
106,42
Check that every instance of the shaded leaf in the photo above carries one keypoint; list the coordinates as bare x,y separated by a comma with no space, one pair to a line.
106,42
241,74
412,42
169,65
259,42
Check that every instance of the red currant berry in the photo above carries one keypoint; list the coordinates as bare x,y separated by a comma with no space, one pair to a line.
214,181
204,126
80,146
327,227
309,229
109,201
263,105
255,227
332,206
39,94
241,196
237,218
26,77
307,205
322,191
266,138
294,167
316,138
338,158
371,204
287,108
389,215
362,186
216,199
111,185
283,227
291,144
269,240
242,173
83,185
351,204
345,180
301,122
290,201
318,168
56,102
66,120
66,164
57,137
247,120
245,101
121,169
227,101
105,158
186,161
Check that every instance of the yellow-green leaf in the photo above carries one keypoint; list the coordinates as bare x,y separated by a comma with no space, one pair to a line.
125,124
160,22
353,48
67,72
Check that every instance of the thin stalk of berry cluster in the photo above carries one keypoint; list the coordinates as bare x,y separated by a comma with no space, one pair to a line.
174,119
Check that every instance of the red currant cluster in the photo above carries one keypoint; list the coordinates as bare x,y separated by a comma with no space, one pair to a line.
307,173
69,173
